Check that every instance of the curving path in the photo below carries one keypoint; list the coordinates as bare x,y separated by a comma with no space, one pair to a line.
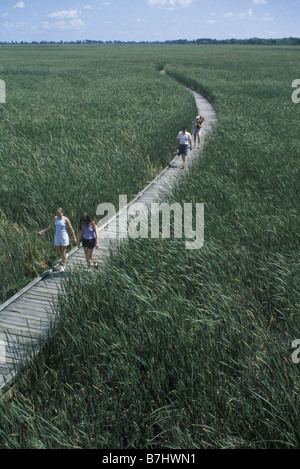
25,319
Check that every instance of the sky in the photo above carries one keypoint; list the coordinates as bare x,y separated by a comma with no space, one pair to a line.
147,20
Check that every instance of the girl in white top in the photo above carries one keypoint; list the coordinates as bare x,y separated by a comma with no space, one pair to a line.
61,241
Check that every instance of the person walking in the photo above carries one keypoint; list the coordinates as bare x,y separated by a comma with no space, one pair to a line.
184,140
61,240
198,123
88,233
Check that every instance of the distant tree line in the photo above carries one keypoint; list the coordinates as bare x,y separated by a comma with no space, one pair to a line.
252,41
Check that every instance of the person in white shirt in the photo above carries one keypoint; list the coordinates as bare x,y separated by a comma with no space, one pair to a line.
184,140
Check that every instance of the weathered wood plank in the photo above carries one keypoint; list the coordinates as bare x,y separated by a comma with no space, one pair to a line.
38,317
47,287
8,323
33,299
22,331
23,309
45,296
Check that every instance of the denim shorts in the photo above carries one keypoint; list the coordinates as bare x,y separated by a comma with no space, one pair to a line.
183,149
89,243
196,131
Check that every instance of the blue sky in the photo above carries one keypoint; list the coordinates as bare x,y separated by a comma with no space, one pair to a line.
147,20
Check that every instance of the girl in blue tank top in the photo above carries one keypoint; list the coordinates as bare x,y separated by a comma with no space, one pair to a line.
61,241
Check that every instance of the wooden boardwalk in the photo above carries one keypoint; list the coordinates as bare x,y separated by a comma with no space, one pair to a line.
26,318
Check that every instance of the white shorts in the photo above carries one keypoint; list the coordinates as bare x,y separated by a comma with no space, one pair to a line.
62,240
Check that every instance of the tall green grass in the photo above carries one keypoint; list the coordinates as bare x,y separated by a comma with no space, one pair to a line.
169,348
80,126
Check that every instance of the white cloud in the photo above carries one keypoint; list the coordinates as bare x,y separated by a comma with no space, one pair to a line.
228,15
74,24
87,7
169,4
259,2
63,25
17,25
64,14
267,17
249,14
19,5
64,20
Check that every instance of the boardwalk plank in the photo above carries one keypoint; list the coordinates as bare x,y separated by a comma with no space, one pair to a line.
26,304
21,331
26,325
34,299
38,317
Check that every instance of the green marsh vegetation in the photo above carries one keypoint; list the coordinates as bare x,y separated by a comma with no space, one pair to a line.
80,126
169,348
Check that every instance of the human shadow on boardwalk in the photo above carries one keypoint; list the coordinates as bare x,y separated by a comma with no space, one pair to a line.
58,275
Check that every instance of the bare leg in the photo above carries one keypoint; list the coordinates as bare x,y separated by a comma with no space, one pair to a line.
88,255
92,257
64,255
60,252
